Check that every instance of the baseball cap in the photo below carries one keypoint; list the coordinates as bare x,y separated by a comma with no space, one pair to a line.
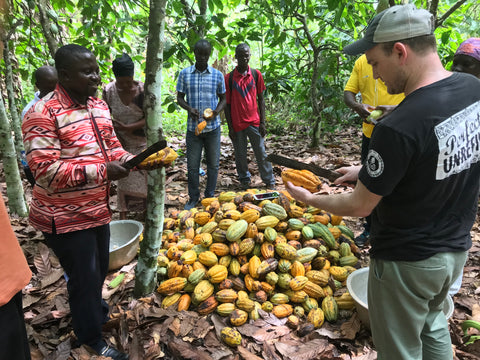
395,23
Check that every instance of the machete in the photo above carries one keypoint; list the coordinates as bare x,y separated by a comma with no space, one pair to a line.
130,164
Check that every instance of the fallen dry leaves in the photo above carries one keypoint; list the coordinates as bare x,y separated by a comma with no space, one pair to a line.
146,331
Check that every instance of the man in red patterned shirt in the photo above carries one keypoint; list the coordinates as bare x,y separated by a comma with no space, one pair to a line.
74,153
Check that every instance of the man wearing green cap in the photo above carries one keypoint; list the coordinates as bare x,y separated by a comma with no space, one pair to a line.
419,183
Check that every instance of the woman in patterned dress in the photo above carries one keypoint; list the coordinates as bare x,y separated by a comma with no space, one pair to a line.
125,96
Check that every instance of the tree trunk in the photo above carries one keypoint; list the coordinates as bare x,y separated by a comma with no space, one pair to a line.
15,193
317,126
47,27
203,5
317,111
382,5
16,121
146,270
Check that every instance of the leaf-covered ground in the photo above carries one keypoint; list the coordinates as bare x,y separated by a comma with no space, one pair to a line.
145,331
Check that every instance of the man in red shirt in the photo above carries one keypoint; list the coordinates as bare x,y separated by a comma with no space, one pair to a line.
245,113
74,154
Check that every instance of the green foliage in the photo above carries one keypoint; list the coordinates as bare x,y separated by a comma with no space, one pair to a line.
296,44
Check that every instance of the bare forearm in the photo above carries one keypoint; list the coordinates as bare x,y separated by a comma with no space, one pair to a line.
221,104
228,115
338,204
359,203
136,125
349,99
351,102
184,104
261,108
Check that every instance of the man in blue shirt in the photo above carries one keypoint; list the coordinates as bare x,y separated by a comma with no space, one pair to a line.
45,80
200,87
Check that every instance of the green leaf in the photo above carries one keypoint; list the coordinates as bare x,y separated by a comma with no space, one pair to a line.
339,12
218,4
178,7
446,37
172,108
332,4
221,34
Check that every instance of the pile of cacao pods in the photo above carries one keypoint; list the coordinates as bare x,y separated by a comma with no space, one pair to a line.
235,256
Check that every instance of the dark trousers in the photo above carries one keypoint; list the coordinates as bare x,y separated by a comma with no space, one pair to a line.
84,257
13,335
365,145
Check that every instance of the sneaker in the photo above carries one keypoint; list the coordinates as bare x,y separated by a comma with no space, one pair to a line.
270,187
109,351
362,239
191,204
245,185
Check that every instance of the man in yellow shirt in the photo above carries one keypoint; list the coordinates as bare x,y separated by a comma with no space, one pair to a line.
374,95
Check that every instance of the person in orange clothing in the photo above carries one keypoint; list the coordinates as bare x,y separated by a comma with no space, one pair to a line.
15,276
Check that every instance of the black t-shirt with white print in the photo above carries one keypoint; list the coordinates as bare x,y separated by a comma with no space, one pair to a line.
424,159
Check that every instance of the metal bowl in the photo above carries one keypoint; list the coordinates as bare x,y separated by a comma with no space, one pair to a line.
124,238
357,283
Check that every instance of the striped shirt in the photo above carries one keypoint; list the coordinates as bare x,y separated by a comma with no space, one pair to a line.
63,152
201,90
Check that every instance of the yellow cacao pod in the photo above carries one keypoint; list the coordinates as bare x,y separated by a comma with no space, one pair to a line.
345,301
202,217
200,126
217,273
226,296
165,157
184,302
170,300
303,178
225,309
282,310
172,286
250,216
208,258
316,317
238,317
330,309
266,221
338,273
297,269
202,291
220,249
230,336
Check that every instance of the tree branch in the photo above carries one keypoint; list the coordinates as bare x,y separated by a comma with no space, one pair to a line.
47,27
440,21
433,8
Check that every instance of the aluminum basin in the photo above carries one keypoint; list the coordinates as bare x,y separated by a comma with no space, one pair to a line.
124,238
357,283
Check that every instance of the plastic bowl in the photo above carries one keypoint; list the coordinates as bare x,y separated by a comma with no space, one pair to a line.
124,239
357,283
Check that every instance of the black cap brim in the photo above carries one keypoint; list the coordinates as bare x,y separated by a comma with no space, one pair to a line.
358,47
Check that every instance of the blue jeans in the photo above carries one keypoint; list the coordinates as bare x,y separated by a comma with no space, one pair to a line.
210,141
240,144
